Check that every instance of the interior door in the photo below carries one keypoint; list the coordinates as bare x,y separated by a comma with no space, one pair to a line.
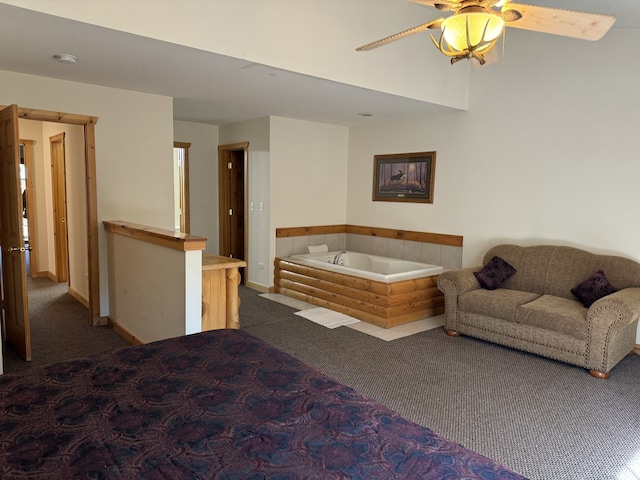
232,191
14,265
59,193
236,204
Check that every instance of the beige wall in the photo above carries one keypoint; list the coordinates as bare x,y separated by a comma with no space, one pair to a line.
257,133
297,171
134,141
156,291
546,153
76,204
203,178
308,176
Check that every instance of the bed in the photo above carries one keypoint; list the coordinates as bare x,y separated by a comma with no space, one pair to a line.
219,404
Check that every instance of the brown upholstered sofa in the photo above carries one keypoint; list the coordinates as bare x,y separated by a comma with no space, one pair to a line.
535,310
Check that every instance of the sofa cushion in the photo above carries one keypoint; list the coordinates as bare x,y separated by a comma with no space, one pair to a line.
593,288
555,313
494,273
500,303
531,264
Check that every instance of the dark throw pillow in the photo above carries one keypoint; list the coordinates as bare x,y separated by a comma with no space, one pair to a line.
593,288
494,273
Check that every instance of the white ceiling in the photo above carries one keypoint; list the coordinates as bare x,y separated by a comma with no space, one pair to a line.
211,88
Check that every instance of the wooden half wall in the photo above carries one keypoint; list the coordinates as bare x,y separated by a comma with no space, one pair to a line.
155,281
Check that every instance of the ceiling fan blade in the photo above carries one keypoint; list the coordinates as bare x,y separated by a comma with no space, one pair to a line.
586,26
399,35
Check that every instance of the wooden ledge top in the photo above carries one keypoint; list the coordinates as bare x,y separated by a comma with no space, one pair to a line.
166,238
217,262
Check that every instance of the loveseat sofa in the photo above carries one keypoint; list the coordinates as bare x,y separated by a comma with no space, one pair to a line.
528,303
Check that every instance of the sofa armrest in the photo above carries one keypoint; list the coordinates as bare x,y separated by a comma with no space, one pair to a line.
457,282
611,326
453,283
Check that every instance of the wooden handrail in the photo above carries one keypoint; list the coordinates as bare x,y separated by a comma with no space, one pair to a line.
166,238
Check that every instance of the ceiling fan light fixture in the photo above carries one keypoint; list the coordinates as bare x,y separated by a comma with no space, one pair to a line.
476,25
475,31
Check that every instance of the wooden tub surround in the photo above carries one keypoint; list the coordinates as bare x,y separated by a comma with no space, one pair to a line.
383,304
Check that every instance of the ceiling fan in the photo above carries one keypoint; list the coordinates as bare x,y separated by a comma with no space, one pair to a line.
476,25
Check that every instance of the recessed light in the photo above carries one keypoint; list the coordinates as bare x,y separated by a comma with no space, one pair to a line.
65,58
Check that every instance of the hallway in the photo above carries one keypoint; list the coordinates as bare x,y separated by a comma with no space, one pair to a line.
59,328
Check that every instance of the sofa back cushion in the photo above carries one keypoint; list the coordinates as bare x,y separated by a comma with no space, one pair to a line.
555,270
530,264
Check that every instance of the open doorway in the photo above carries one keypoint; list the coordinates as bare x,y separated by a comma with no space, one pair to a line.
86,201
89,234
233,189
182,209
56,209
56,280
27,186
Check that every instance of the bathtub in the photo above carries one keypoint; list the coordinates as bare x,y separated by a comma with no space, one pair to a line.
379,290
372,267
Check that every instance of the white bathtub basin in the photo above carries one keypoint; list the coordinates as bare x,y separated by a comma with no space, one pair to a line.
372,267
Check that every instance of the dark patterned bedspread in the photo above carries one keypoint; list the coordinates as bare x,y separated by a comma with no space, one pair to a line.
220,404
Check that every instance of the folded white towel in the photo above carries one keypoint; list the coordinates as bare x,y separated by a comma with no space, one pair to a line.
317,248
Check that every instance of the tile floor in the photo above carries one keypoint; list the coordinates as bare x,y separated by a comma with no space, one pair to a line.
387,334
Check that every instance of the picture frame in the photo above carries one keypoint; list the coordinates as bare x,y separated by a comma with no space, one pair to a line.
404,177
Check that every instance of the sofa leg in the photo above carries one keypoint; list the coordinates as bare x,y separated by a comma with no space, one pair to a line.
599,374
451,333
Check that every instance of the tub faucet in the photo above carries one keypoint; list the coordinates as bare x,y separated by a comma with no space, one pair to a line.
337,257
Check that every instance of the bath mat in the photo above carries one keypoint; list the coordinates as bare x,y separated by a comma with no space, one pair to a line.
327,318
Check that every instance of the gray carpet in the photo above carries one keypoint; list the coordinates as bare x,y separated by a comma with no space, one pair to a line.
544,419
60,328
547,420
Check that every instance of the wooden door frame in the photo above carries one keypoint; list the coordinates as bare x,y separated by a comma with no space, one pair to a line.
185,216
93,266
224,152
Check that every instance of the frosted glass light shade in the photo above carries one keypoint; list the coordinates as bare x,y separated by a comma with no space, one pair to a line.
454,30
